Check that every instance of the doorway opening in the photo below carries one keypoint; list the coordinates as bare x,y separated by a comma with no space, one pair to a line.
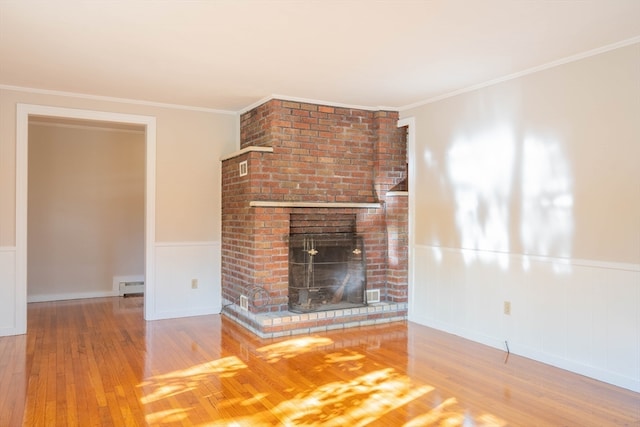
85,214
25,112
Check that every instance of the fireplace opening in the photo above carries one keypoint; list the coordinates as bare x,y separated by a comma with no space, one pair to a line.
326,272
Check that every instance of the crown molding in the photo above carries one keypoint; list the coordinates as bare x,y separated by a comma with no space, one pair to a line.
259,102
113,99
315,102
552,64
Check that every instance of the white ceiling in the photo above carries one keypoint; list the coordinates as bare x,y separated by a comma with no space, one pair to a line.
228,54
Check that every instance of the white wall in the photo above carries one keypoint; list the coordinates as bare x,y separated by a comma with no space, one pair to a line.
528,191
85,209
189,144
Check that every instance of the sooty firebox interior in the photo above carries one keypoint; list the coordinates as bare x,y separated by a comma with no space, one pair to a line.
326,272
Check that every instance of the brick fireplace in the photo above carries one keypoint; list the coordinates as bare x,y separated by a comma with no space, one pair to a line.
307,168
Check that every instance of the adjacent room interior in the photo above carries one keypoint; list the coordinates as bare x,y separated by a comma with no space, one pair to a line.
85,206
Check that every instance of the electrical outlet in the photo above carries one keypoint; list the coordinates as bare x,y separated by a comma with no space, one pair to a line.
194,283
507,308
244,303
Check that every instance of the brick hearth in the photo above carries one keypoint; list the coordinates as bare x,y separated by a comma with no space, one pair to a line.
273,325
317,161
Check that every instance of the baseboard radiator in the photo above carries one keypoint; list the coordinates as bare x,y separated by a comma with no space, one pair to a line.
130,288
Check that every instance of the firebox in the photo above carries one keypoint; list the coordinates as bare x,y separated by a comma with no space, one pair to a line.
326,272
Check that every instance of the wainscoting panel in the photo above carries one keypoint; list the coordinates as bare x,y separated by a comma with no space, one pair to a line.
579,315
8,291
178,265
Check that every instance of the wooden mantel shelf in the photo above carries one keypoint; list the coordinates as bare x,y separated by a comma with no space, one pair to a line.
281,204
246,150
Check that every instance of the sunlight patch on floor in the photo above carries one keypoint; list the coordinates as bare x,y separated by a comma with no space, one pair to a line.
449,413
355,401
293,347
177,382
167,416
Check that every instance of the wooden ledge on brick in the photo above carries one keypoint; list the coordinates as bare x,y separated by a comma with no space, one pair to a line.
246,150
285,204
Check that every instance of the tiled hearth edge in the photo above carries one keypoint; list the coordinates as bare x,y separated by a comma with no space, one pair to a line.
282,324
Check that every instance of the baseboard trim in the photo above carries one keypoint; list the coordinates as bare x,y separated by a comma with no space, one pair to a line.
593,372
70,296
202,311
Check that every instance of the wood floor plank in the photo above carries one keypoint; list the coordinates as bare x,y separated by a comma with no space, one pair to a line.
98,363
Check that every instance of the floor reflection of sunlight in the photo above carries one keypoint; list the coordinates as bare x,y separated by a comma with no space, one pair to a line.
292,347
449,413
348,360
355,402
358,397
177,382
436,416
167,416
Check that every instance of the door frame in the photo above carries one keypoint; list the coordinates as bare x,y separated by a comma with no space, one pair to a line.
410,123
23,112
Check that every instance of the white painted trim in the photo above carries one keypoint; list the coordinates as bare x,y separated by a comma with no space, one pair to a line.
597,373
531,353
150,225
410,122
70,296
23,111
188,313
315,102
246,150
397,194
113,99
255,104
8,278
526,72
85,127
622,266
22,159
187,244
278,204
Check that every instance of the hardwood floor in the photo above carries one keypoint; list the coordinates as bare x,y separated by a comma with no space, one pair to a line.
97,363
